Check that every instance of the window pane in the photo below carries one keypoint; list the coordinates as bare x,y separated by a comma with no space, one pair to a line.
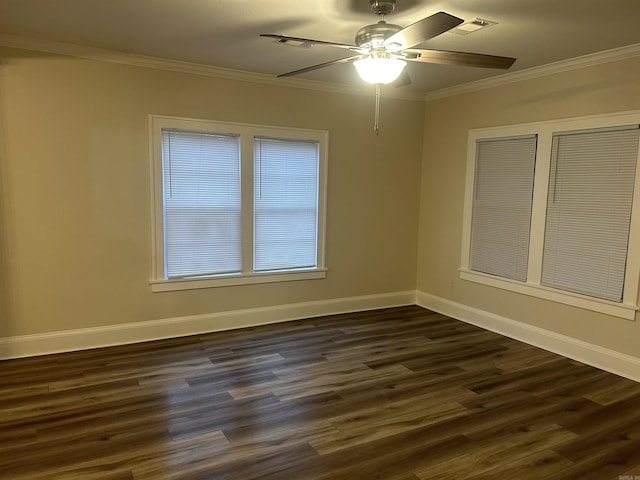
285,204
201,175
501,217
589,211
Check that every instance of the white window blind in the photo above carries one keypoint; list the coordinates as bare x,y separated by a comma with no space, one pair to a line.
285,204
591,183
201,194
501,216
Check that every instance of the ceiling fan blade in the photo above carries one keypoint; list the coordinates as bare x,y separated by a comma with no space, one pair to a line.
403,80
422,30
457,58
320,65
306,42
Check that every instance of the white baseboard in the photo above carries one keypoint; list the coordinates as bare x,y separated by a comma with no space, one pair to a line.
590,354
86,338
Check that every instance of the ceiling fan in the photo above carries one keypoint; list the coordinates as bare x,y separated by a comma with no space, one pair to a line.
381,50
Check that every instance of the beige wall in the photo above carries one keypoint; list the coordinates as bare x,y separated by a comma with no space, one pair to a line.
599,89
75,202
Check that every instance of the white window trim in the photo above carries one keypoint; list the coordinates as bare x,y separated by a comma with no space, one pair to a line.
159,282
532,287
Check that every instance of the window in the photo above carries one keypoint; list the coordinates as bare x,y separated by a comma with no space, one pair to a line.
550,211
589,211
235,204
201,195
286,204
502,206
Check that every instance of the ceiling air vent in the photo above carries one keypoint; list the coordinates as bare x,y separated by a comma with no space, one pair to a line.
472,26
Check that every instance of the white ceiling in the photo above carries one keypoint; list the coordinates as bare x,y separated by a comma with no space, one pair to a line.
226,33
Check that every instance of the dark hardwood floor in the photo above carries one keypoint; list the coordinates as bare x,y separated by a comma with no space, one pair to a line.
395,394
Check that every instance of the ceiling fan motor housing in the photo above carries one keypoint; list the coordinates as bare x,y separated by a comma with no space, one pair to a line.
373,36
382,7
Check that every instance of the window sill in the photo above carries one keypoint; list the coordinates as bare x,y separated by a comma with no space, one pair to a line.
621,310
192,283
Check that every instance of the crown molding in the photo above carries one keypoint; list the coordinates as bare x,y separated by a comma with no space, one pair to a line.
72,50
68,49
606,56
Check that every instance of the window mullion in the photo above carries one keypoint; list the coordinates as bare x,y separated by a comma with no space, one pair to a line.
246,176
539,208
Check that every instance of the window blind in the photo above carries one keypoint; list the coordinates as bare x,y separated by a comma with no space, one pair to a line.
201,194
285,204
589,211
501,216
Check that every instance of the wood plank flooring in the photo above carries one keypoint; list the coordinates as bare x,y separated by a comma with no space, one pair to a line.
394,394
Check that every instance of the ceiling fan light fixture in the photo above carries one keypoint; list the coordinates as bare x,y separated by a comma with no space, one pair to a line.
379,70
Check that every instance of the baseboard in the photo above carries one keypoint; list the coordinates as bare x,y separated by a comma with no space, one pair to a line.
590,354
86,338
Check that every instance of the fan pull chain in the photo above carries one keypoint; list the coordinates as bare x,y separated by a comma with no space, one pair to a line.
376,126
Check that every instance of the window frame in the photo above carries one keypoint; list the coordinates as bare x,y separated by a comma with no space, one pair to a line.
159,281
532,286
